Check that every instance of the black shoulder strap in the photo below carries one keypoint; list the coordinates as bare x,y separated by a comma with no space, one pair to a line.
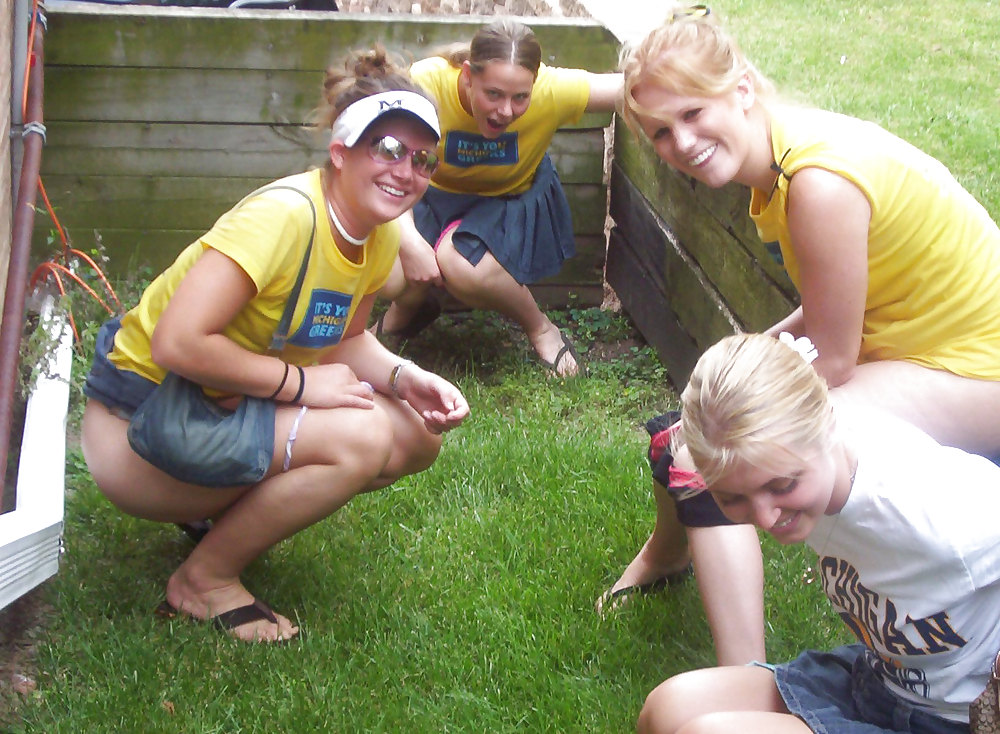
280,335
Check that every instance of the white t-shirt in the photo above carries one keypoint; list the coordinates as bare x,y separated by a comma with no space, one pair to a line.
912,562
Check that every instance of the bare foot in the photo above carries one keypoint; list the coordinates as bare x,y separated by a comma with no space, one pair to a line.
206,604
548,344
648,567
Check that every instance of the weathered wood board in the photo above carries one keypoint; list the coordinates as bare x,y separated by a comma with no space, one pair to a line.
159,119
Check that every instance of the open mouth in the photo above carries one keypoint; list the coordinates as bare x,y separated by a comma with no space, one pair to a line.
391,190
703,156
784,524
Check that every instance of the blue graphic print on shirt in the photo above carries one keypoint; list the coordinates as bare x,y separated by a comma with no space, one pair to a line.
325,320
464,150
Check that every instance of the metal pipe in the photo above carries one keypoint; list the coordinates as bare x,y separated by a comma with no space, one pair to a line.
33,137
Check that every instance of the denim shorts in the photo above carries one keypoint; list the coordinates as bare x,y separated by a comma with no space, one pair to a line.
241,460
120,390
838,692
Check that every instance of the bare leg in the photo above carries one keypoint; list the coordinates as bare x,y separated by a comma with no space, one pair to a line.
957,411
722,700
665,552
488,286
406,298
371,447
728,567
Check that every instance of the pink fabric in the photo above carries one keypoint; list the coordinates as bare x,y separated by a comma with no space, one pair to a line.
446,231
659,444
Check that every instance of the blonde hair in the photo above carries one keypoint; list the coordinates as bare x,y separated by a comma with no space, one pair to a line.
689,55
753,399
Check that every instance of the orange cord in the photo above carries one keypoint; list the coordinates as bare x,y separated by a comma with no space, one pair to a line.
53,266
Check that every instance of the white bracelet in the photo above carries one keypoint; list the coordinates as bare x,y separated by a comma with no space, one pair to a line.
394,376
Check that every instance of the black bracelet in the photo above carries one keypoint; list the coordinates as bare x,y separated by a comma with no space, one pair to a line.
302,384
273,395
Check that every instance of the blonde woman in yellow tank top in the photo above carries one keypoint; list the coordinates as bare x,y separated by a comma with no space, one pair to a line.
897,266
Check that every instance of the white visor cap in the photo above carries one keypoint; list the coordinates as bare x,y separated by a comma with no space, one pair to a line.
354,120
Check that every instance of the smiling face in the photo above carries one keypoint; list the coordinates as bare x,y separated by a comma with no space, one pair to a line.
785,500
368,191
495,96
705,137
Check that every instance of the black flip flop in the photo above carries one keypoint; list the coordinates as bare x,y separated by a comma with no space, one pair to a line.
612,599
226,621
195,530
567,347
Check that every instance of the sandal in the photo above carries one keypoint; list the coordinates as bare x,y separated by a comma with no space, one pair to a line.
227,621
614,600
567,348
426,314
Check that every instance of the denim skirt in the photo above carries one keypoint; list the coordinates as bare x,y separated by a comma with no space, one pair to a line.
529,234
838,692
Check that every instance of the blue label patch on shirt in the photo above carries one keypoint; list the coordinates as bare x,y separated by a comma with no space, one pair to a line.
325,320
464,150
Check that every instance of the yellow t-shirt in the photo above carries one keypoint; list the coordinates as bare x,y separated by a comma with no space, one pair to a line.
266,234
473,164
933,251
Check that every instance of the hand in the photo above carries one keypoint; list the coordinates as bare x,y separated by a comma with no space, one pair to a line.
439,403
335,385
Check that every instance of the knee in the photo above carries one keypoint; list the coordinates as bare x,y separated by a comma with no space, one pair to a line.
422,451
362,445
456,270
414,450
663,711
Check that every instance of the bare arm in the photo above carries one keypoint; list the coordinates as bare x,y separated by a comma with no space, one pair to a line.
416,255
828,220
793,323
605,92
188,339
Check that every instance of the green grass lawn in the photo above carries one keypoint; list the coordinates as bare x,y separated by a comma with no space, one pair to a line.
461,600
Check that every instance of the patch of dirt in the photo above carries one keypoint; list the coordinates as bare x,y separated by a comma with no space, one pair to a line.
613,351
20,625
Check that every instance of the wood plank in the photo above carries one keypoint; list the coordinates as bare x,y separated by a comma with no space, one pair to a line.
148,36
745,282
122,94
649,308
195,203
205,150
699,308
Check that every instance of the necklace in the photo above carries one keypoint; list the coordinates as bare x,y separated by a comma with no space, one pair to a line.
357,242
811,574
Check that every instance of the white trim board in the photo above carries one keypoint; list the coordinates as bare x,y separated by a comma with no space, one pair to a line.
31,534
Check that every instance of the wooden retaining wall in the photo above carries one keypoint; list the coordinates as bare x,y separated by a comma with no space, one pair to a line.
685,260
159,119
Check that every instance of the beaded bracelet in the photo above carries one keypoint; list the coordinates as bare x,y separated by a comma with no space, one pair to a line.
281,384
394,376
